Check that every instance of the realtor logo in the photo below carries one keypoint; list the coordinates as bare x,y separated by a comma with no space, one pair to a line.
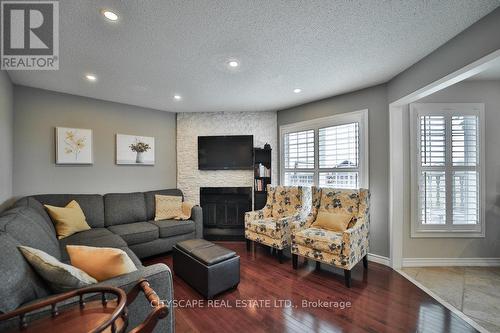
30,35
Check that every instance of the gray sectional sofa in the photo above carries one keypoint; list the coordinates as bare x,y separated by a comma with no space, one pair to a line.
119,220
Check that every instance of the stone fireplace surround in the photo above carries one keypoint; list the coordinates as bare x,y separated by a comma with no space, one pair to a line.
262,125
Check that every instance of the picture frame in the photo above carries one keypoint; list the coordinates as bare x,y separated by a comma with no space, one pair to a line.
74,146
135,150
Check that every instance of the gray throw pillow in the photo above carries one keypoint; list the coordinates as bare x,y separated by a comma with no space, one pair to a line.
60,277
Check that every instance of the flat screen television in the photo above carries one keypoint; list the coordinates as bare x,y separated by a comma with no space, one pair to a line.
230,152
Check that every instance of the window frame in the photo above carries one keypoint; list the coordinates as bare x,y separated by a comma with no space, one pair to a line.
448,230
361,117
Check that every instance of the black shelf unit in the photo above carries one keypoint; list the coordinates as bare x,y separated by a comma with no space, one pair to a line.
261,157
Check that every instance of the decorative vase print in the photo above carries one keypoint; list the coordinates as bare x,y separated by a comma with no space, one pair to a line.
139,158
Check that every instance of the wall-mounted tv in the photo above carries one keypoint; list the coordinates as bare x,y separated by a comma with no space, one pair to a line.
230,152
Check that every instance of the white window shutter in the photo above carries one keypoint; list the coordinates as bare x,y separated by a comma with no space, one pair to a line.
299,150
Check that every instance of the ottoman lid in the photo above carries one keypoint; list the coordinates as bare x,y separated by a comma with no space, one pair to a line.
192,244
213,254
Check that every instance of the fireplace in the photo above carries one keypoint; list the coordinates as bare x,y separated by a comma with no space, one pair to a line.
224,211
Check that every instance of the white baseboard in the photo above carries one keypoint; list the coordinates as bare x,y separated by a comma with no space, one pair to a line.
379,259
429,262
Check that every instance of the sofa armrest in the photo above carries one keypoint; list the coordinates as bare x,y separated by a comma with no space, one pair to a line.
159,277
287,220
255,215
197,217
355,239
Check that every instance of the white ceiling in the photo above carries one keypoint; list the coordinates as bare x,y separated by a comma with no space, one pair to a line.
161,48
491,73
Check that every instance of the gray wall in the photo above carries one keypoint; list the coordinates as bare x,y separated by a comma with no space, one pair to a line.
38,112
475,42
6,138
487,92
375,100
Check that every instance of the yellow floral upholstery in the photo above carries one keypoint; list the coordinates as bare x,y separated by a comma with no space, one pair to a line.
342,249
287,201
320,239
286,209
316,199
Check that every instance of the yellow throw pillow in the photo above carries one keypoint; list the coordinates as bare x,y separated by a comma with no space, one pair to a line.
102,263
186,211
167,207
68,220
332,221
59,276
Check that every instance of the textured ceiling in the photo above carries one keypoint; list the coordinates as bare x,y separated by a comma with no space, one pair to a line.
161,48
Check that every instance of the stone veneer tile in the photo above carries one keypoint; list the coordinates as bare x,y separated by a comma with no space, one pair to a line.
479,290
262,125
447,282
482,296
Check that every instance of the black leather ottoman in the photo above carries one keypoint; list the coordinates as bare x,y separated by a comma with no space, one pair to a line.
208,268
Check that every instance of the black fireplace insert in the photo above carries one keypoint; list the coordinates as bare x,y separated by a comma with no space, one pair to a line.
224,211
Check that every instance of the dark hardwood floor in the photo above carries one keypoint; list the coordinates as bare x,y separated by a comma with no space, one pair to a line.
381,300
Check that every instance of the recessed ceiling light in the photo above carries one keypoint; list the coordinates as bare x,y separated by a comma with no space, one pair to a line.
177,97
297,90
110,15
91,77
233,63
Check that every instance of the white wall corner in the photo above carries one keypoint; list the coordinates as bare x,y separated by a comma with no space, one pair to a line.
379,259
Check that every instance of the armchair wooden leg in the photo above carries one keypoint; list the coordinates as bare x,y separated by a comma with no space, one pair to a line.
295,260
280,256
347,277
365,261
318,265
249,244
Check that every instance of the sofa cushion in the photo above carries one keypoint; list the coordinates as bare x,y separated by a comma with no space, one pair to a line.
91,204
60,277
38,207
68,220
150,200
26,226
267,227
169,228
319,239
137,262
135,233
97,237
122,208
20,283
101,263
333,221
168,207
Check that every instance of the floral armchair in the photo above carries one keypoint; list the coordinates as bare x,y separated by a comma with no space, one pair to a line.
341,249
287,208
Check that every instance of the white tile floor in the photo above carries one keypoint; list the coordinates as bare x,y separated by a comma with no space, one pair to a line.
475,291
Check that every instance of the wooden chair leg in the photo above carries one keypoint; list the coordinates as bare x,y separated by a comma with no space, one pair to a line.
280,256
365,261
318,265
295,260
249,244
347,277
